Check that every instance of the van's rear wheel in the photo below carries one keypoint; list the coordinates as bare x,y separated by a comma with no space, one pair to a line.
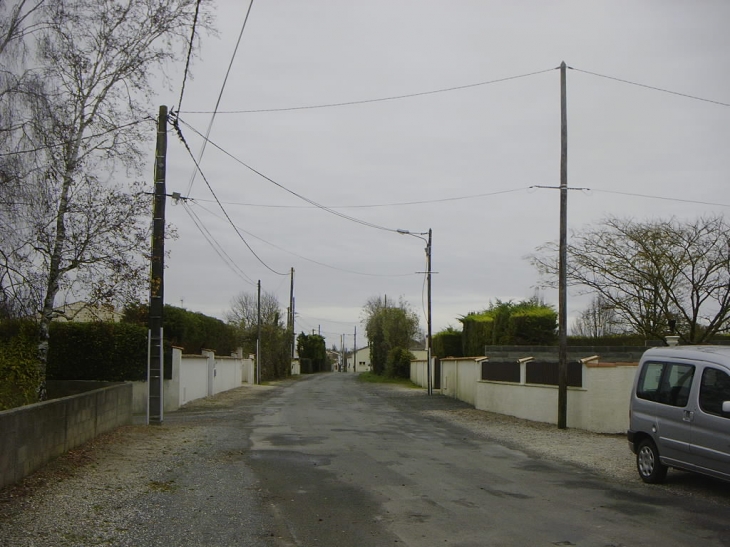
651,469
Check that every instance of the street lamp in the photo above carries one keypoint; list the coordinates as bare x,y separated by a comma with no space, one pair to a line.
429,388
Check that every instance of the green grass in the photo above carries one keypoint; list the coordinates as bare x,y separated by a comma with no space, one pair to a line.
373,378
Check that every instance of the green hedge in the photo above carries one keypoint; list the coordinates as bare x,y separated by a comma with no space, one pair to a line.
447,344
398,364
533,327
508,324
192,331
477,332
19,377
110,352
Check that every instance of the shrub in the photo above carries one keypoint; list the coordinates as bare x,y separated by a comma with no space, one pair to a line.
19,377
398,364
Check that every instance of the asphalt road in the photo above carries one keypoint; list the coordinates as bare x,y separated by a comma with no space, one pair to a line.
327,461
342,465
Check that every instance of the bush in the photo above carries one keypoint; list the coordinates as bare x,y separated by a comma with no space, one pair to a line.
447,343
19,376
398,364
110,352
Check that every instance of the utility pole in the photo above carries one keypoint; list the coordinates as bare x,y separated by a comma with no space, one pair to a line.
562,267
155,345
258,337
354,351
291,314
429,346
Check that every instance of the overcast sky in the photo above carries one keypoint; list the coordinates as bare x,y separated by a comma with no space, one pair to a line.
459,162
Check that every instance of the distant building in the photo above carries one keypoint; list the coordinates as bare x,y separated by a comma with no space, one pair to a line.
362,360
81,312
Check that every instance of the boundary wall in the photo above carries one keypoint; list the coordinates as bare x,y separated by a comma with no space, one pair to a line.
33,435
195,377
600,405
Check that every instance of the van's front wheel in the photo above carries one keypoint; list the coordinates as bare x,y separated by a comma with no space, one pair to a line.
651,469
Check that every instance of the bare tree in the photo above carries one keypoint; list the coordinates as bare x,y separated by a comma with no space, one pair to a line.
275,346
653,272
598,320
79,228
244,310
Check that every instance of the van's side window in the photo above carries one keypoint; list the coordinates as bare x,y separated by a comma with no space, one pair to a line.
714,390
667,383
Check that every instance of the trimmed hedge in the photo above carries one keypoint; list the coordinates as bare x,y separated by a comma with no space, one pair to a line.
447,344
508,324
477,332
110,352
19,377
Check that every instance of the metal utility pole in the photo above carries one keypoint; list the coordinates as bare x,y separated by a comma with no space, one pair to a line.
258,337
563,259
155,346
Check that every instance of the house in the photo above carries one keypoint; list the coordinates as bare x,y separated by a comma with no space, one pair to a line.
81,312
362,360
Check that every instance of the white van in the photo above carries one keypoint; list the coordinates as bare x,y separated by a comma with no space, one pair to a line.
680,412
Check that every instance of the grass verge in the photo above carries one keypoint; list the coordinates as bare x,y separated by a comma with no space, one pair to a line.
373,378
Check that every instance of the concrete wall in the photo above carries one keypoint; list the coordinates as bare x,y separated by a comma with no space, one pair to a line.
459,378
195,377
419,374
32,435
601,405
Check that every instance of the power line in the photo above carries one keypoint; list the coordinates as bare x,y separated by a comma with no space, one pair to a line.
292,192
375,205
304,257
190,53
659,197
220,96
378,100
182,139
650,87
217,247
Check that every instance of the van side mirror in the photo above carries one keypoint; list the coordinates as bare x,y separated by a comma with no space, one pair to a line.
726,407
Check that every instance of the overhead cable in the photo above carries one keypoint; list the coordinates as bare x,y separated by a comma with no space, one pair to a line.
374,205
220,96
377,100
190,54
304,257
650,87
190,152
217,247
292,192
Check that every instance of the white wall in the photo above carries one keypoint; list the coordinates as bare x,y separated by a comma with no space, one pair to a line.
459,378
419,374
195,377
601,405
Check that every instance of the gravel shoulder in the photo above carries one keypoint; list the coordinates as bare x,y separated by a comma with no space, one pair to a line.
100,493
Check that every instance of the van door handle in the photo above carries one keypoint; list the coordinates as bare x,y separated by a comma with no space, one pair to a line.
688,416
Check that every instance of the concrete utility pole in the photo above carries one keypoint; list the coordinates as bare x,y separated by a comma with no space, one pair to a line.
563,260
258,337
155,358
291,315
429,271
